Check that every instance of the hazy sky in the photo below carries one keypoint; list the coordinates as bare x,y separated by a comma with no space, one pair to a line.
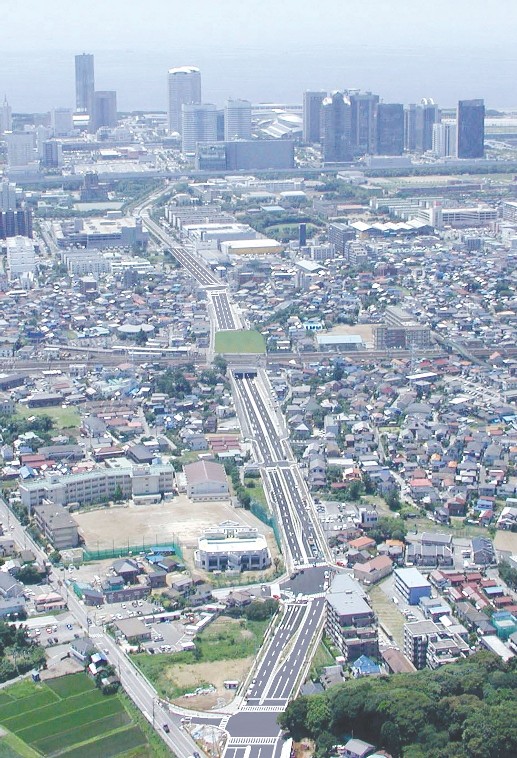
261,49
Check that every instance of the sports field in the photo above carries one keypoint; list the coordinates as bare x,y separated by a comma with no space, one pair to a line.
239,341
68,717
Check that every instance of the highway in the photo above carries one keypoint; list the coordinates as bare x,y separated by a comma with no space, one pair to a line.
190,263
289,498
224,316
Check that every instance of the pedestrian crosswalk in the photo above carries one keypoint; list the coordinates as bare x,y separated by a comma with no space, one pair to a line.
264,708
245,741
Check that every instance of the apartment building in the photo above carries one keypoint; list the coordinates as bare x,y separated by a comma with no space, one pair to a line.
57,526
351,623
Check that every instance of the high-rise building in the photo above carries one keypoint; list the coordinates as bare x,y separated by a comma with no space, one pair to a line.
20,148
335,128
471,129
410,128
7,195
52,154
363,122
237,119
312,115
62,122
184,89
390,129
6,117
199,124
426,116
444,139
104,109
84,83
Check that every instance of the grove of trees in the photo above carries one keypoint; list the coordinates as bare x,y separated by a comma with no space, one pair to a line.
464,710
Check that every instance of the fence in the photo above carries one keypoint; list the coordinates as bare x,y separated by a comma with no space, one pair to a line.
260,512
125,550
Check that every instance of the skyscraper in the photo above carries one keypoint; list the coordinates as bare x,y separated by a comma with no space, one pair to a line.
335,128
237,119
184,89
84,83
471,129
6,118
427,114
199,124
390,129
312,115
363,134
104,109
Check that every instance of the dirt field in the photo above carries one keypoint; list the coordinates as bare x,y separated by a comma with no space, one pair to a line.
193,675
178,519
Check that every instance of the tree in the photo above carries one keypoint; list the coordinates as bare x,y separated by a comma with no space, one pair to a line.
294,718
118,495
318,715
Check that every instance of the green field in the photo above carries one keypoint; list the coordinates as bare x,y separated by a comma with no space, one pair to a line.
70,717
239,341
63,418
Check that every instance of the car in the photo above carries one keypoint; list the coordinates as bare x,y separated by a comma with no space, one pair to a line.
166,728
48,630
69,626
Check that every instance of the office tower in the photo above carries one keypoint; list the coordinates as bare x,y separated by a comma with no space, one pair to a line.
471,129
7,195
418,125
237,119
61,120
312,115
84,83
427,114
184,89
363,122
20,148
52,154
14,222
410,128
390,129
104,109
6,117
220,125
444,139
199,124
335,128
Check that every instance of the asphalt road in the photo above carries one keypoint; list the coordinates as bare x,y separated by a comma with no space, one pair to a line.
223,312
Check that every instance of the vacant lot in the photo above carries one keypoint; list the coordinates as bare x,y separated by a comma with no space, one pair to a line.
178,519
69,717
239,341
388,613
225,650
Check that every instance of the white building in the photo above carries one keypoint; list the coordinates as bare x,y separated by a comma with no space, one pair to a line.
140,482
21,258
232,547
206,480
62,122
184,88
20,148
237,119
198,124
444,139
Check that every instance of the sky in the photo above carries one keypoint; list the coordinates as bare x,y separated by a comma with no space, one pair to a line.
264,50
